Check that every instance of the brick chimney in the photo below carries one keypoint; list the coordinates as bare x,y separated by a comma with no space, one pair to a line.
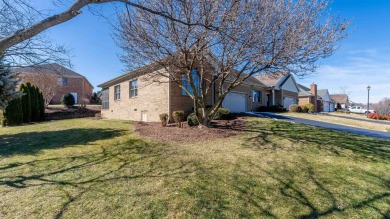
313,90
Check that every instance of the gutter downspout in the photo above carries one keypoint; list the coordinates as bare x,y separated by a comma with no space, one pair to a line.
273,96
281,91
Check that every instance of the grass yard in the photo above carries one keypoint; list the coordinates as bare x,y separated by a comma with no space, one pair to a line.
354,115
341,121
84,168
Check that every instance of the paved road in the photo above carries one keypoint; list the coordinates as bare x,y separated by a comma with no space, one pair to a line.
358,119
342,128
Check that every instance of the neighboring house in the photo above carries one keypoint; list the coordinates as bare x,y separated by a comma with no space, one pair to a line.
281,89
60,79
308,95
342,99
319,98
134,96
325,101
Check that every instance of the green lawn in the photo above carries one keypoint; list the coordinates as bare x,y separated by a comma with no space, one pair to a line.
84,168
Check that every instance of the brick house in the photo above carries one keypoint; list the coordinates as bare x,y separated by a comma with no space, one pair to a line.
342,99
282,89
321,99
134,96
60,78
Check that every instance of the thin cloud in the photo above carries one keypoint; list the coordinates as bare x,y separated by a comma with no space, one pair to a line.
356,74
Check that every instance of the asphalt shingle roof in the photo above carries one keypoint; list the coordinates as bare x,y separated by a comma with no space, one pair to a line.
271,79
339,98
53,68
304,91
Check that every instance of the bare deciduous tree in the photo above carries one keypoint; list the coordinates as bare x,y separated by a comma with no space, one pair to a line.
345,90
383,107
47,84
17,16
22,42
252,37
13,10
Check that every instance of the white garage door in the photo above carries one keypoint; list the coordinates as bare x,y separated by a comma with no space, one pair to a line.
288,101
326,106
331,107
235,102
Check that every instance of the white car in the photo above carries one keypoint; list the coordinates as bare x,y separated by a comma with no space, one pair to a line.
359,109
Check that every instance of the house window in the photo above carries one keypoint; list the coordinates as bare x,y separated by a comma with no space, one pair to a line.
117,92
186,84
105,99
256,96
62,81
134,88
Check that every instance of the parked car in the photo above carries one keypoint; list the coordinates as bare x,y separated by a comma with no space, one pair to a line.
359,109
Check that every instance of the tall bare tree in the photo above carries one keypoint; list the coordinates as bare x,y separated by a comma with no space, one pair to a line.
47,84
383,107
22,26
251,37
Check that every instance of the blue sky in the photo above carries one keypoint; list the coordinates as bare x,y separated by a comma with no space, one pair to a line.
362,60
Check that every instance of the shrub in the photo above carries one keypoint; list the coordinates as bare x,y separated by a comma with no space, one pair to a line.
192,120
222,113
164,119
34,104
178,117
277,109
310,107
295,108
262,109
13,113
41,102
375,116
68,100
26,102
83,102
343,111
95,98
305,109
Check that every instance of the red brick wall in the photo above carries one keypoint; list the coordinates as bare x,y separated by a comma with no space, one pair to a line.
302,101
75,85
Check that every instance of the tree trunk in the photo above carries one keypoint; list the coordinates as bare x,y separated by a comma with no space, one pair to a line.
205,121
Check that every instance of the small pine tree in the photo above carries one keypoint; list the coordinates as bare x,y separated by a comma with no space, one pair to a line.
26,103
8,83
41,107
34,104
13,113
29,101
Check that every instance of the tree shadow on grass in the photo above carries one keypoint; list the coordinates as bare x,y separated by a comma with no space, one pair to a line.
102,173
335,142
33,142
319,200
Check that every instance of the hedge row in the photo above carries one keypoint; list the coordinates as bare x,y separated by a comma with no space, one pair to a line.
28,108
295,108
378,117
192,120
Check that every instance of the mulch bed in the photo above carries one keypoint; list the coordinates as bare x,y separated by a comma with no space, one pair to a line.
187,134
58,113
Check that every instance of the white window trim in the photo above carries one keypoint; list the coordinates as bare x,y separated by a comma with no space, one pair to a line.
115,93
135,89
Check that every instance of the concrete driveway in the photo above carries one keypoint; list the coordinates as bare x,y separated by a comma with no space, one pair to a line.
342,128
